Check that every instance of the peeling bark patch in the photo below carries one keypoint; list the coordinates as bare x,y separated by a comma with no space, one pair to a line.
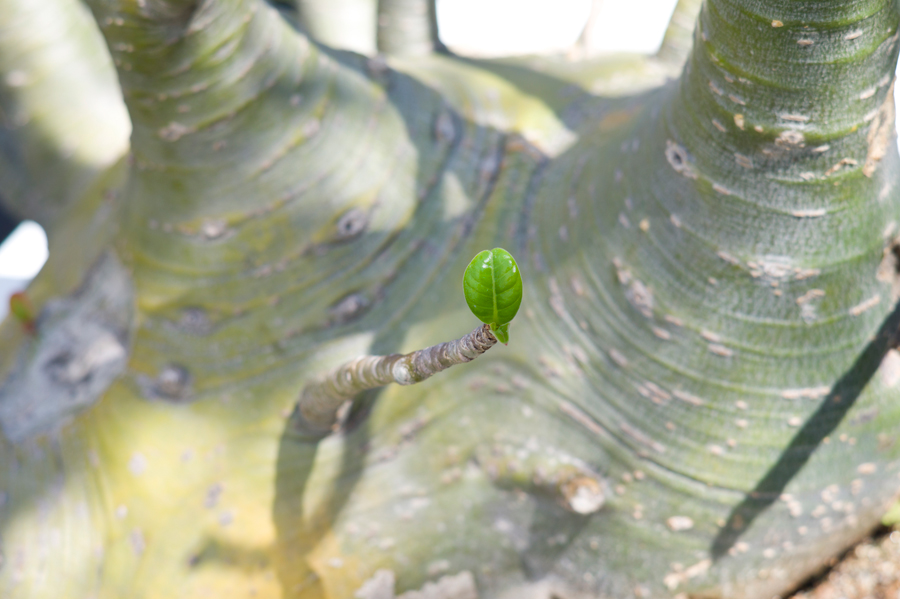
720,350
810,295
801,274
617,357
867,468
790,138
81,349
806,393
679,523
796,118
654,393
890,369
688,398
865,305
809,213
674,579
880,133
868,93
661,333
837,166
710,336
728,257
742,160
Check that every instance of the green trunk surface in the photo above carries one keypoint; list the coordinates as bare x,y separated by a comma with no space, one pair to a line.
708,315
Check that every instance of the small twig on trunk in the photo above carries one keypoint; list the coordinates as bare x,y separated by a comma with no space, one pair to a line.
322,398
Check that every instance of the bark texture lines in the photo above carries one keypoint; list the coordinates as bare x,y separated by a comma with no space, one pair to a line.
320,400
700,397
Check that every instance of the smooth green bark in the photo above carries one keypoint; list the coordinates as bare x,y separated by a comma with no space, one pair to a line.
679,36
61,119
407,27
345,24
705,333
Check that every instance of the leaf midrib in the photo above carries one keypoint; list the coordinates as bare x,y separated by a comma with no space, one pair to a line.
494,291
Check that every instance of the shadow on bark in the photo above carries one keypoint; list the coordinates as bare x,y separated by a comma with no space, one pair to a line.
296,457
8,222
821,424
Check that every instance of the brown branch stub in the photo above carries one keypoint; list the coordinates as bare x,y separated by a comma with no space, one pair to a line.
321,399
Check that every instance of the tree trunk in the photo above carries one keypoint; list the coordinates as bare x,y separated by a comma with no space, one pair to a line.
700,395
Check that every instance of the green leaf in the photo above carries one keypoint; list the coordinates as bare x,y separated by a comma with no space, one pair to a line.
493,288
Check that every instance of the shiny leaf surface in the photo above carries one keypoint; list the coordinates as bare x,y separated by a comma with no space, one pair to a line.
493,287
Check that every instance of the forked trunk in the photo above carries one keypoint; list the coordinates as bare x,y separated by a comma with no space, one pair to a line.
699,396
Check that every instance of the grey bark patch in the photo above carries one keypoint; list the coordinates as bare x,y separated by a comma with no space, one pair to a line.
80,349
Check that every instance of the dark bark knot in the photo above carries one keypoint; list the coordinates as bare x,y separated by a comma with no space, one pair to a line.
351,223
